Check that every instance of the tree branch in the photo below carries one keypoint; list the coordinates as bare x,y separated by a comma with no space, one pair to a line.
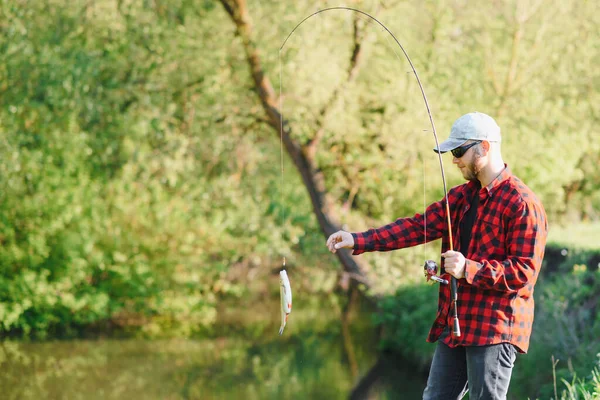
310,148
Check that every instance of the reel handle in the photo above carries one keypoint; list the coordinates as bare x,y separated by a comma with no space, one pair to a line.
439,280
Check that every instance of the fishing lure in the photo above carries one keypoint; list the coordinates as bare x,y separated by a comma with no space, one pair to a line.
285,293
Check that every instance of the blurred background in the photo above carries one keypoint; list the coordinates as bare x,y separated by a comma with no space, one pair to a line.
148,196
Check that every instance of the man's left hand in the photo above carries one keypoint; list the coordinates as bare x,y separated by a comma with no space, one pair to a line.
454,263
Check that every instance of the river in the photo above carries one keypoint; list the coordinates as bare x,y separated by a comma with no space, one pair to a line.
313,359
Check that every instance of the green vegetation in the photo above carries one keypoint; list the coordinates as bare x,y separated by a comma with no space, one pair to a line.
566,328
140,186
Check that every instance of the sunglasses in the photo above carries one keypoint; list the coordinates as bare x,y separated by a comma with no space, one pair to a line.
460,151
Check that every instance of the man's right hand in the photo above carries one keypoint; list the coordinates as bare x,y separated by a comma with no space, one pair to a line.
339,240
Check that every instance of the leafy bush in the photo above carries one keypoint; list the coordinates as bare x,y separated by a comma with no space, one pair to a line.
405,319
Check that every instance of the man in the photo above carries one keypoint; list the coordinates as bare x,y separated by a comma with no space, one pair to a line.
500,229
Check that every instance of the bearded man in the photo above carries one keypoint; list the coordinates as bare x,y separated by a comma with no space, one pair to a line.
501,229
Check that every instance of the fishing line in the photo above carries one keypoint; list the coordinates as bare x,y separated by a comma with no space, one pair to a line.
281,145
424,211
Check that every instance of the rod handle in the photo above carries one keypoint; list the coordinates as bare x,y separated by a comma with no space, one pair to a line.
456,328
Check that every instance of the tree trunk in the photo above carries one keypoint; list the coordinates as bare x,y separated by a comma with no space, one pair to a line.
312,178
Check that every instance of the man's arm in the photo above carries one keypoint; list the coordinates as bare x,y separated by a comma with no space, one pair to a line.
404,232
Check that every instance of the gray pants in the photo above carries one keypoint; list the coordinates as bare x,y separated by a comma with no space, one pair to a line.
483,371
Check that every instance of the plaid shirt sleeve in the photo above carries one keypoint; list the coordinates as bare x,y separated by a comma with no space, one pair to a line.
405,232
525,241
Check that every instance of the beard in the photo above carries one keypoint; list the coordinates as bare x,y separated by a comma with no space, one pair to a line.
471,172
473,168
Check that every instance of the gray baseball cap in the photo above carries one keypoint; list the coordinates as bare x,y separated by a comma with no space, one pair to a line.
471,126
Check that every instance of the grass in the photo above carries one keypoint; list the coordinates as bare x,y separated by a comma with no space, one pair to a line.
580,235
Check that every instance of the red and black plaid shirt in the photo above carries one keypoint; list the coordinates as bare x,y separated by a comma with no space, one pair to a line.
495,299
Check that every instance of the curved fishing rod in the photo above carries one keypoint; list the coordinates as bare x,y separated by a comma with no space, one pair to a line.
453,286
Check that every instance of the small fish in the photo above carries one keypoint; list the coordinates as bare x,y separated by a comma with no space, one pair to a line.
285,293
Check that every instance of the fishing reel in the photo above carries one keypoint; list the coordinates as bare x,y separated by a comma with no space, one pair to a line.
431,269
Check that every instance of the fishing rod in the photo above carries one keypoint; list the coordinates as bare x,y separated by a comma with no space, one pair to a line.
429,264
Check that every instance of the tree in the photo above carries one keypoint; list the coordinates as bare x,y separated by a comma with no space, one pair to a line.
302,154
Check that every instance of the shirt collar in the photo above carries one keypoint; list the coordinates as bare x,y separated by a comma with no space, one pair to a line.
474,186
504,175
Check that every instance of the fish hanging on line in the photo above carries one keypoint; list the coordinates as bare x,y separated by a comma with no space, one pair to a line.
285,293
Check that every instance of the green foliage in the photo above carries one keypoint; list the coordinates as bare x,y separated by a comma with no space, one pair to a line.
140,184
566,326
99,218
584,389
406,318
503,60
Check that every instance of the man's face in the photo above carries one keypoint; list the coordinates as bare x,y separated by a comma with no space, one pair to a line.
471,163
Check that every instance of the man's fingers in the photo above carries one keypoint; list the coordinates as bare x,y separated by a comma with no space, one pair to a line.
341,244
332,240
330,244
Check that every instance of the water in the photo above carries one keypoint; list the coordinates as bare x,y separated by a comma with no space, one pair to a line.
312,360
